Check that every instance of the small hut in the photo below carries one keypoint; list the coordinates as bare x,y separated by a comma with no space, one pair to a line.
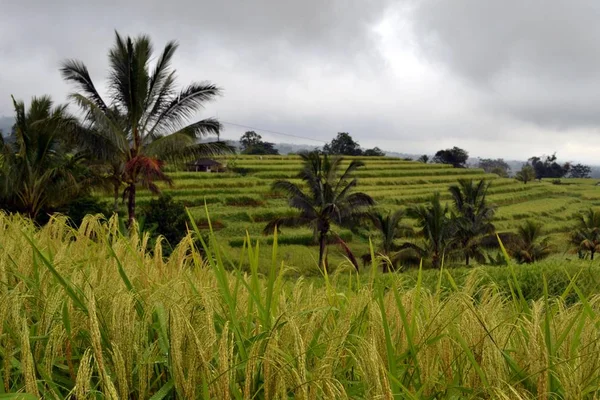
205,165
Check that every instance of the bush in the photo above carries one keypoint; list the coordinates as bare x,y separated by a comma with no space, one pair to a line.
79,208
167,217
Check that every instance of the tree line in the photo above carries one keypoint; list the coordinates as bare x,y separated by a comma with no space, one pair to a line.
343,144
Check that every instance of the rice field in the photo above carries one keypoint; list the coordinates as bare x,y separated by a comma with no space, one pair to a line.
92,314
241,203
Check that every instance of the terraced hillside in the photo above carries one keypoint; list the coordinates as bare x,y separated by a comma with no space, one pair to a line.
243,202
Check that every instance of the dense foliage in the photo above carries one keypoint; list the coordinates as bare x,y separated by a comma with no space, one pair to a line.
343,144
252,143
549,167
455,156
40,169
495,166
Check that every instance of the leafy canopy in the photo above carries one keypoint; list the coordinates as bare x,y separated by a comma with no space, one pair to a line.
455,156
252,143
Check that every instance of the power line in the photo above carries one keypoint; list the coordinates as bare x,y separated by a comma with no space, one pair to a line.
273,132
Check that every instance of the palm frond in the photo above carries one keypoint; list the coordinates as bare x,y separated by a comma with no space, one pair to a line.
105,127
183,106
76,72
290,221
208,126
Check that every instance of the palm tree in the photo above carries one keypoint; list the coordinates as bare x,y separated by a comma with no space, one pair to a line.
329,198
389,228
145,122
38,169
437,230
530,247
474,217
587,234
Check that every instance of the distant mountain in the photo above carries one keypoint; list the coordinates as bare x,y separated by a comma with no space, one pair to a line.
6,124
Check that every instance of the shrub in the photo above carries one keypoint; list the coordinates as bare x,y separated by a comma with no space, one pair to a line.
167,217
79,208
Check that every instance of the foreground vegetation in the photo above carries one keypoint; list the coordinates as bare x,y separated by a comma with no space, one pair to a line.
90,313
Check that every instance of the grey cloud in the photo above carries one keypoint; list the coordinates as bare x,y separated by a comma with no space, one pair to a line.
493,77
537,60
273,38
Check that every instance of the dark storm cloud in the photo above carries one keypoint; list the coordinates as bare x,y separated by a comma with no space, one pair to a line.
537,60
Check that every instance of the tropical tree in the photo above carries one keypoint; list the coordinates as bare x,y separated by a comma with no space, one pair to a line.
455,156
526,174
252,143
437,230
423,159
374,152
474,216
39,169
549,167
495,166
343,144
586,235
389,228
580,171
330,197
530,247
144,123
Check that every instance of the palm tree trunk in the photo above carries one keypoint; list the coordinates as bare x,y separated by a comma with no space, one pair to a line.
131,205
435,260
321,247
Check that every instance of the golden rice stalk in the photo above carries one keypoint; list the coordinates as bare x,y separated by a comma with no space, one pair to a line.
84,375
27,364
94,328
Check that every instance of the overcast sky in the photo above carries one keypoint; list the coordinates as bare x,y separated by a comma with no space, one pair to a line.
508,78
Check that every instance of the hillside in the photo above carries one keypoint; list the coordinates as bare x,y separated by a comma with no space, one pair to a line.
243,202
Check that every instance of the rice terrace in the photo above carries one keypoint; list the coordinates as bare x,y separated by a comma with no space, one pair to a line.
150,253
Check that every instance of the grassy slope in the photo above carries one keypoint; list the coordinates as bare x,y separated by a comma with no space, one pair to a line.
243,203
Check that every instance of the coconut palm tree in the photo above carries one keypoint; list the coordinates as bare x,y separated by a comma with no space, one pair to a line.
389,228
38,169
587,233
530,247
144,123
437,230
473,219
330,197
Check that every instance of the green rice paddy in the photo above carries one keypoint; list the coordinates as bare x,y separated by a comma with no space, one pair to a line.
242,203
